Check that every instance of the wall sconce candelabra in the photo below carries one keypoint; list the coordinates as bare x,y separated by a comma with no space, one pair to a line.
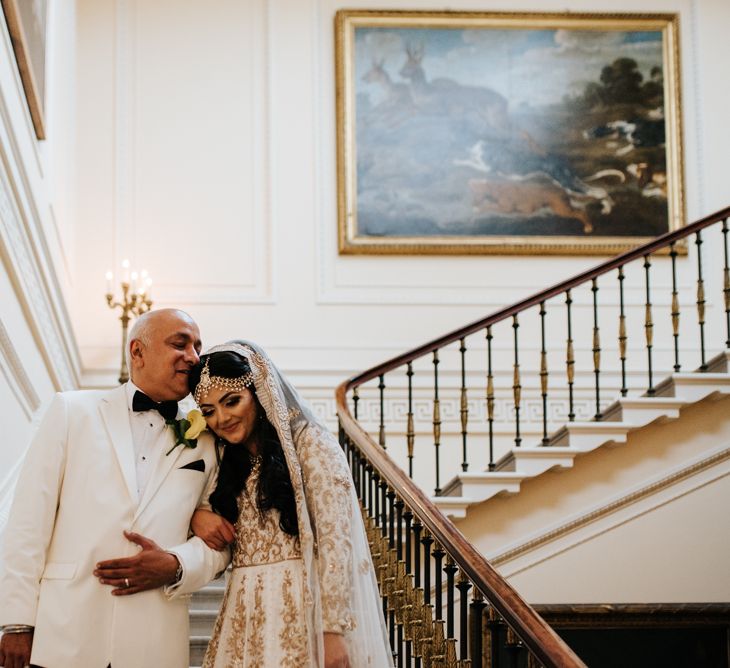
134,302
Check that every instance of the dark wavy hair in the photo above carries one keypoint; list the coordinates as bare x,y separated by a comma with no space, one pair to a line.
275,489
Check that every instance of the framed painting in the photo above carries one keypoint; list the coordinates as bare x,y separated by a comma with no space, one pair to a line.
26,20
506,133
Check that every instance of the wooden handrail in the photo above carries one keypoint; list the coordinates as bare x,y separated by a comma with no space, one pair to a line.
657,244
537,635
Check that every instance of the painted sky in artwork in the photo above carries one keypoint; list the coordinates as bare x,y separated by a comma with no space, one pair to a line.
554,62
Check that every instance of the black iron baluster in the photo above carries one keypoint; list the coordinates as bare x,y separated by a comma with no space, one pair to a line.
436,420
362,463
391,629
427,541
450,570
543,374
701,300
362,478
494,637
464,408
570,357
596,348
355,400
410,428
354,458
477,623
376,496
392,624
516,386
408,560
649,325
622,332
417,528
726,283
675,306
391,520
438,558
407,531
515,648
381,431
383,508
463,586
490,398
399,528
371,494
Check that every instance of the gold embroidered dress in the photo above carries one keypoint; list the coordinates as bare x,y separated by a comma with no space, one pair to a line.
261,622
285,592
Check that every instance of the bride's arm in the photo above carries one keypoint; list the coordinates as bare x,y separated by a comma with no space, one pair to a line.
215,531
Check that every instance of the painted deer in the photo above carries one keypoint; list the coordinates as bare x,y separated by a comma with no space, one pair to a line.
398,101
445,96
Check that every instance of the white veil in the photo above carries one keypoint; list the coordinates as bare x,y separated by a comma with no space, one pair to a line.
296,426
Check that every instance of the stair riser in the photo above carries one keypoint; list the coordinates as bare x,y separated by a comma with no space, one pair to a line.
691,393
483,491
202,624
533,467
197,651
644,416
206,602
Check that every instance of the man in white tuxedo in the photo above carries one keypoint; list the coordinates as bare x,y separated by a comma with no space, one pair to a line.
101,480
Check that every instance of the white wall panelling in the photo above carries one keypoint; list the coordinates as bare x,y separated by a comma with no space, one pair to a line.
16,375
30,246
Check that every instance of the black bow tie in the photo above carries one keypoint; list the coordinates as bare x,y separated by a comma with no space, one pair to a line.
141,402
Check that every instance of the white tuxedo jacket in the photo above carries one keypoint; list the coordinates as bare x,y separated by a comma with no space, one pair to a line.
75,495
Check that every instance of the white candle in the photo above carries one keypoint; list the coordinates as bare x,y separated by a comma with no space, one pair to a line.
133,285
125,271
109,279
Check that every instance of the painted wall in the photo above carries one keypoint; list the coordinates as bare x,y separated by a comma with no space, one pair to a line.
38,353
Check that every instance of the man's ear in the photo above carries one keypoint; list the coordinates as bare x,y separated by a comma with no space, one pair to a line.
136,349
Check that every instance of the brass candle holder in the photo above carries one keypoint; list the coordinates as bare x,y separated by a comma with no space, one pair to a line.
134,302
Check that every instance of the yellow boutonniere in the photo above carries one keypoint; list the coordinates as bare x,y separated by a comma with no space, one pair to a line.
197,424
187,430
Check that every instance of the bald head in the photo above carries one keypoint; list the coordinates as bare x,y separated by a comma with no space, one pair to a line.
163,346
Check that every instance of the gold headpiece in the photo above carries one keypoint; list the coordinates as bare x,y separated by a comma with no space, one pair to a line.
208,382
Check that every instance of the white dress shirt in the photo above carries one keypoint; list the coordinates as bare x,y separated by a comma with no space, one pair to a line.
149,436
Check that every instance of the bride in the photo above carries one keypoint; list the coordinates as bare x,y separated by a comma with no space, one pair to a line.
302,591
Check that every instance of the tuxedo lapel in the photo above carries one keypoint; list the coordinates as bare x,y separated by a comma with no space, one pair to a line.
163,466
115,414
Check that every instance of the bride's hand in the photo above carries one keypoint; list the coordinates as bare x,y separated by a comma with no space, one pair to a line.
214,530
335,651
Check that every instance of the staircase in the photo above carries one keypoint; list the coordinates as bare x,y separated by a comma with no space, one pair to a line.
204,607
627,328
626,415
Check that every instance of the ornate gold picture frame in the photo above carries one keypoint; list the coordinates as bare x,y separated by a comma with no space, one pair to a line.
26,21
505,133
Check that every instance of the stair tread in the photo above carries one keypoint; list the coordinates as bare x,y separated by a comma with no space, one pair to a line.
582,429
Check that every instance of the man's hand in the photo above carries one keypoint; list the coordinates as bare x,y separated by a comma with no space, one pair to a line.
15,649
149,569
214,530
335,651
